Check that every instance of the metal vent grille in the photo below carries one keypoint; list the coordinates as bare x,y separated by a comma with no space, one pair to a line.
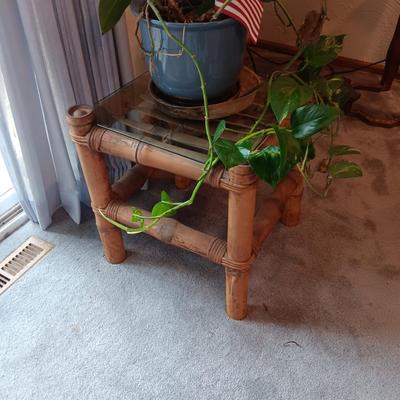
23,258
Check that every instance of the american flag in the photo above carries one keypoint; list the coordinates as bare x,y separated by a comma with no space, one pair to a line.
247,12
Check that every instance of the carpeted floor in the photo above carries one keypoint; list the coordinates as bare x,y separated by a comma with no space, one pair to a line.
324,300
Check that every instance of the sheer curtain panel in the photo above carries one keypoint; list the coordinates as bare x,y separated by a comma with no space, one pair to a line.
52,55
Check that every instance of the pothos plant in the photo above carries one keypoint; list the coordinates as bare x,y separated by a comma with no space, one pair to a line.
110,11
306,107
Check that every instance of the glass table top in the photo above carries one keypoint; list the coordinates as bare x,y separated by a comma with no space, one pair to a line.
131,111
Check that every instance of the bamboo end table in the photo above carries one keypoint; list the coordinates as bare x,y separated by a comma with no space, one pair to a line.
127,124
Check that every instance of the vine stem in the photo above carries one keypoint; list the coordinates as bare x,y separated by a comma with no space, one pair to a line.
219,11
210,162
269,85
263,132
197,65
156,219
288,17
309,184
294,59
266,105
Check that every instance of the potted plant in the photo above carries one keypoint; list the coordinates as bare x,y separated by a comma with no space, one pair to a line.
218,42
306,105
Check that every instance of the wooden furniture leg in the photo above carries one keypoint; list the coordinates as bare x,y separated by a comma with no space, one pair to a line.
389,75
292,207
81,120
182,183
392,60
241,208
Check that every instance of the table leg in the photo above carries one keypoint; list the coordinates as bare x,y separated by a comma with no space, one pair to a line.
241,210
392,60
292,208
392,65
182,183
81,120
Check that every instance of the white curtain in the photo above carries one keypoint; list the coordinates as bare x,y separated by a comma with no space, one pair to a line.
52,55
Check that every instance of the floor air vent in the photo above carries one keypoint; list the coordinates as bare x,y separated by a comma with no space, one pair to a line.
23,258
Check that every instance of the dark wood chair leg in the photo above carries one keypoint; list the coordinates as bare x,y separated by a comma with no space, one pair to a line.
392,60
389,75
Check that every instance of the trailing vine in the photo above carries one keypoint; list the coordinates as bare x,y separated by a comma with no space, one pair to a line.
306,108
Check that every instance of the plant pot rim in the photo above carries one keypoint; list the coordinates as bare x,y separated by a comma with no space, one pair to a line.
195,25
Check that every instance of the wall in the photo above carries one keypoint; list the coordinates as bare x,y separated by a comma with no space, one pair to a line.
369,24
137,57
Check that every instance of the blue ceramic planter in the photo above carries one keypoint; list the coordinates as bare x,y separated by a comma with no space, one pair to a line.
219,47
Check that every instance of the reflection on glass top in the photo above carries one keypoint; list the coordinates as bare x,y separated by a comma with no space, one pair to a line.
131,111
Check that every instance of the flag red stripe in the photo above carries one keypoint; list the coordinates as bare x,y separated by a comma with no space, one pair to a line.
232,12
259,7
252,26
247,12
247,16
256,7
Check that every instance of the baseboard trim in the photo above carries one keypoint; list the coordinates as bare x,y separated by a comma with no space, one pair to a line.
342,62
11,221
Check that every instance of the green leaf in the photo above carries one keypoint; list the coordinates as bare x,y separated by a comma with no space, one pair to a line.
163,206
308,73
294,149
160,208
273,163
345,169
324,51
342,150
308,120
245,148
110,12
137,216
219,131
283,137
266,164
344,95
335,84
286,95
165,197
328,88
229,154
290,151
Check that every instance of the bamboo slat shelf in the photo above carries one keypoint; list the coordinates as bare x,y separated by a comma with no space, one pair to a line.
127,124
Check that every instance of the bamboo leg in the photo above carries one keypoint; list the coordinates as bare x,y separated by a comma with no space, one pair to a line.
291,211
292,207
237,285
131,182
239,244
81,120
182,183
266,218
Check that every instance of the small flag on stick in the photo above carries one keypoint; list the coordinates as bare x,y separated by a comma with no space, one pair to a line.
247,12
